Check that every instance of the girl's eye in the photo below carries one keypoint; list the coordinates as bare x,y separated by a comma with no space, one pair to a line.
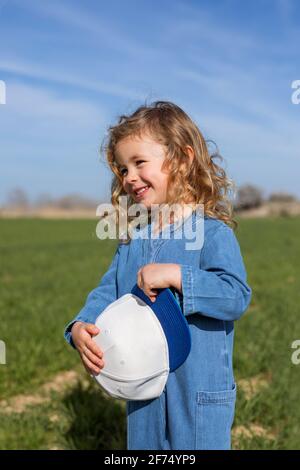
124,169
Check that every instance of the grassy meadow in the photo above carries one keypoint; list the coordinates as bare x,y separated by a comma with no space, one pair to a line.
48,401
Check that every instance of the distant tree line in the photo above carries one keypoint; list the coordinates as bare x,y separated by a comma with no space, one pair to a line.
248,197
251,197
17,198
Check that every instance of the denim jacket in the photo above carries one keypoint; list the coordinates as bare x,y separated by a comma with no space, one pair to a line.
196,408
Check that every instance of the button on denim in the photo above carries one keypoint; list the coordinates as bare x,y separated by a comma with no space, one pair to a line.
196,408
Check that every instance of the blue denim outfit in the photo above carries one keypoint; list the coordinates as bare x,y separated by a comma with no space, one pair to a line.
196,408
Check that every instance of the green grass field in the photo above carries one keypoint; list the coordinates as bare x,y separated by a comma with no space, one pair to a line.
47,268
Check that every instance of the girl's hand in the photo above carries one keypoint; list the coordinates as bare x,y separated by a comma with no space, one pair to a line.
90,354
158,276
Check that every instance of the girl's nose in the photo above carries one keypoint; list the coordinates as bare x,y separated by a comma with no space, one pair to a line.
131,177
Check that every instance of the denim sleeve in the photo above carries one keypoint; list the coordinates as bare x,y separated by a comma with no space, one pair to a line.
219,288
98,299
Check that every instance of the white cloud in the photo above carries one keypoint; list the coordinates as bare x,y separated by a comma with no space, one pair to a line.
96,27
33,70
48,141
252,140
38,103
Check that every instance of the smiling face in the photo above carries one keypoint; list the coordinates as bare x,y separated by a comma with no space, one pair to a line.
140,163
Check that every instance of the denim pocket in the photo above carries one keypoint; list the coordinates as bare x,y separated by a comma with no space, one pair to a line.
214,418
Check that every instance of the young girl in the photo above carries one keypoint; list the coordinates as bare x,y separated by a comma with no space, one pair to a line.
159,156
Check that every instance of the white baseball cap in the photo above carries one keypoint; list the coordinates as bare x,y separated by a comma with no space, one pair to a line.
142,342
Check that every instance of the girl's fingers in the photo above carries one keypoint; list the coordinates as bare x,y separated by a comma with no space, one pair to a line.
92,346
139,280
92,357
92,329
92,368
151,292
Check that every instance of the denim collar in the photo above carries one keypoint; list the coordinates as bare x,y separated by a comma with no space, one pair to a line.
188,223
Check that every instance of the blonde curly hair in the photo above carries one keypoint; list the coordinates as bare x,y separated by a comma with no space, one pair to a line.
200,181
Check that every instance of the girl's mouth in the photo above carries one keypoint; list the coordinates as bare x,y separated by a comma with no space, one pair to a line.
141,192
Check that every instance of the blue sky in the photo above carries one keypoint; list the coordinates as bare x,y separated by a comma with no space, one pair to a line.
72,67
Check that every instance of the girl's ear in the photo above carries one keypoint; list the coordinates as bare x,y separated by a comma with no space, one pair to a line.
190,153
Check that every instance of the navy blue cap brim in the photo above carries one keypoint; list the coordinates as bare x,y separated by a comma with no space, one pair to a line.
173,322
